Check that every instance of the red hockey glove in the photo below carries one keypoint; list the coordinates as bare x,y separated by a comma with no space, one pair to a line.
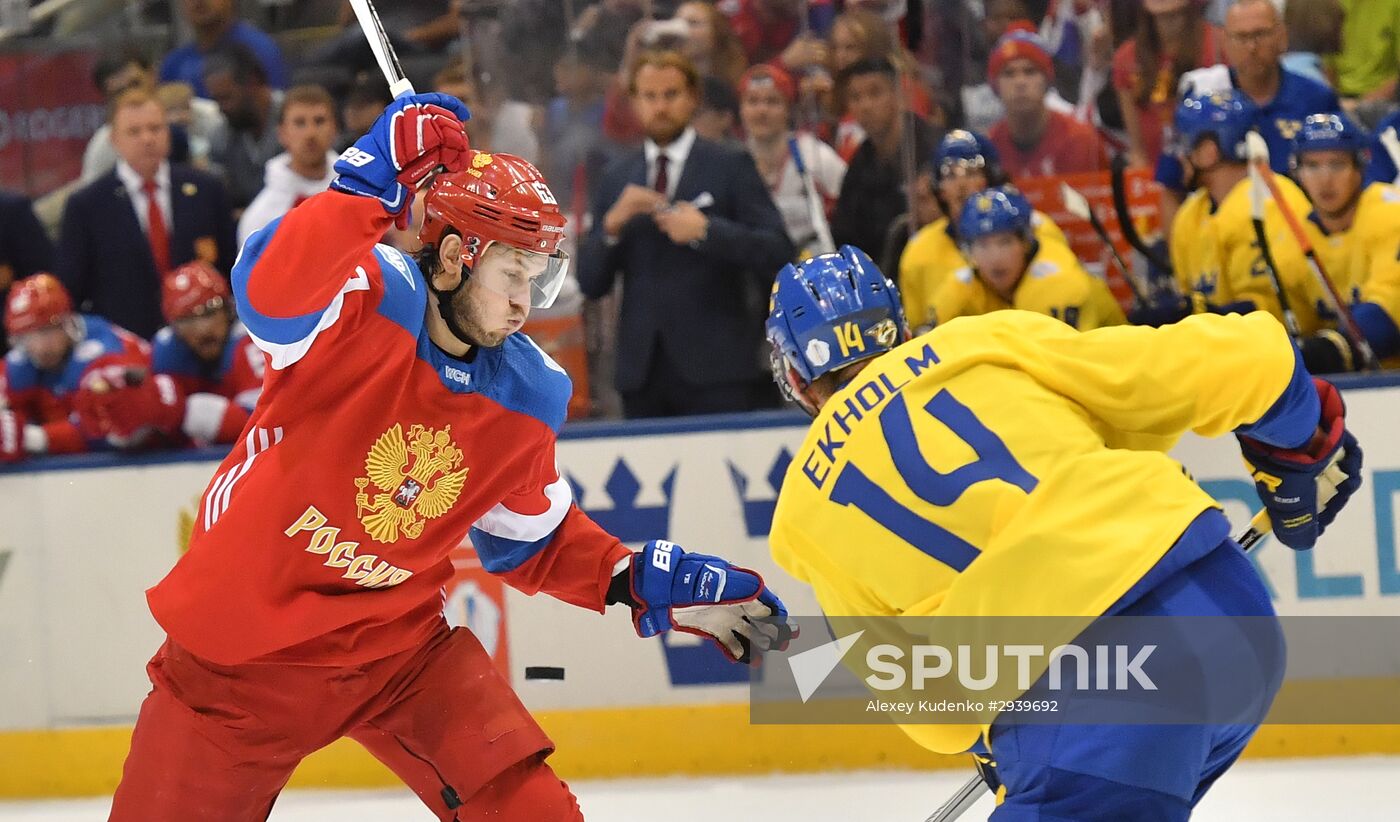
120,401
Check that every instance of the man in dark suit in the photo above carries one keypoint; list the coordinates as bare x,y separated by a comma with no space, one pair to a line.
692,230
124,231
24,247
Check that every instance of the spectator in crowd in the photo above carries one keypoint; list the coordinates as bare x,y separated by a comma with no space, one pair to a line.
1366,68
114,73
24,247
767,94
964,163
415,29
306,132
216,27
875,188
604,28
1010,268
1170,39
124,231
691,230
978,98
497,124
251,106
362,106
1255,40
718,114
768,31
199,119
1033,140
859,35
1313,29
711,44
39,380
573,121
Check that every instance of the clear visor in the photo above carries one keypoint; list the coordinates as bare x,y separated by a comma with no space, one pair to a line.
520,275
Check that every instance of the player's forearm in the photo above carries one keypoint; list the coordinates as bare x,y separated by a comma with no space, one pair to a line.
298,265
576,565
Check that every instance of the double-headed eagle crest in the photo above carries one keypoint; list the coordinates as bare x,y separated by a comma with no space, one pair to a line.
417,480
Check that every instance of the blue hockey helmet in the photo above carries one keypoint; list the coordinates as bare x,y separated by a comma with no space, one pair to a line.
828,312
993,211
1226,115
1330,132
965,149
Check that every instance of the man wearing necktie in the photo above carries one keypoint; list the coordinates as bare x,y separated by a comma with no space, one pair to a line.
691,230
124,231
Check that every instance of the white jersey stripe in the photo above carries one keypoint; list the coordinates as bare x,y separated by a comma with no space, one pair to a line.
283,355
237,473
209,497
500,521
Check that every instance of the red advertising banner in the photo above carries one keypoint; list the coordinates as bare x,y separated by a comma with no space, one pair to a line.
476,599
1144,203
48,110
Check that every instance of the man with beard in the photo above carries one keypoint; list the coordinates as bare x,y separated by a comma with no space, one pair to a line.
204,359
1352,229
1255,41
1214,252
54,348
964,163
306,132
252,107
691,229
1008,267
401,412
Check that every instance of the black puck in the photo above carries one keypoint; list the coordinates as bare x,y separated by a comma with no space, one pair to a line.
544,672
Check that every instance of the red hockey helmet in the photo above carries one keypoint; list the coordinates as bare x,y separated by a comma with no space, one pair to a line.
191,290
500,198
36,302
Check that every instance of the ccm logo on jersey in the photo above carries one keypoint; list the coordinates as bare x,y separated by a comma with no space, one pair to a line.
366,569
456,375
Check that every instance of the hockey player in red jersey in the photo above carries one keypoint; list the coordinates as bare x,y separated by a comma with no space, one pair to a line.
208,372
54,346
400,410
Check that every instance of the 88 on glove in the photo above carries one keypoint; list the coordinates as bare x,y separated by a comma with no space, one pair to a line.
414,136
706,596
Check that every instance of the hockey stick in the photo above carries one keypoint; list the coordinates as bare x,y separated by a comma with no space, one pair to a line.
1256,148
383,50
971,791
1078,205
1257,193
814,204
1118,182
1391,143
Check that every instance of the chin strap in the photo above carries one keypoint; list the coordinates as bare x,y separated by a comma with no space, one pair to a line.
444,301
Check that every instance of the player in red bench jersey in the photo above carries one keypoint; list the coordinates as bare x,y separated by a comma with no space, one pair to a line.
400,409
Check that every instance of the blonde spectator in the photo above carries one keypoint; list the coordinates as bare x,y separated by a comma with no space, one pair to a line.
711,44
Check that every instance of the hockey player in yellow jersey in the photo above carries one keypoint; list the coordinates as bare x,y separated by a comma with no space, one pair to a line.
1355,232
1008,267
1214,252
1009,465
964,163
